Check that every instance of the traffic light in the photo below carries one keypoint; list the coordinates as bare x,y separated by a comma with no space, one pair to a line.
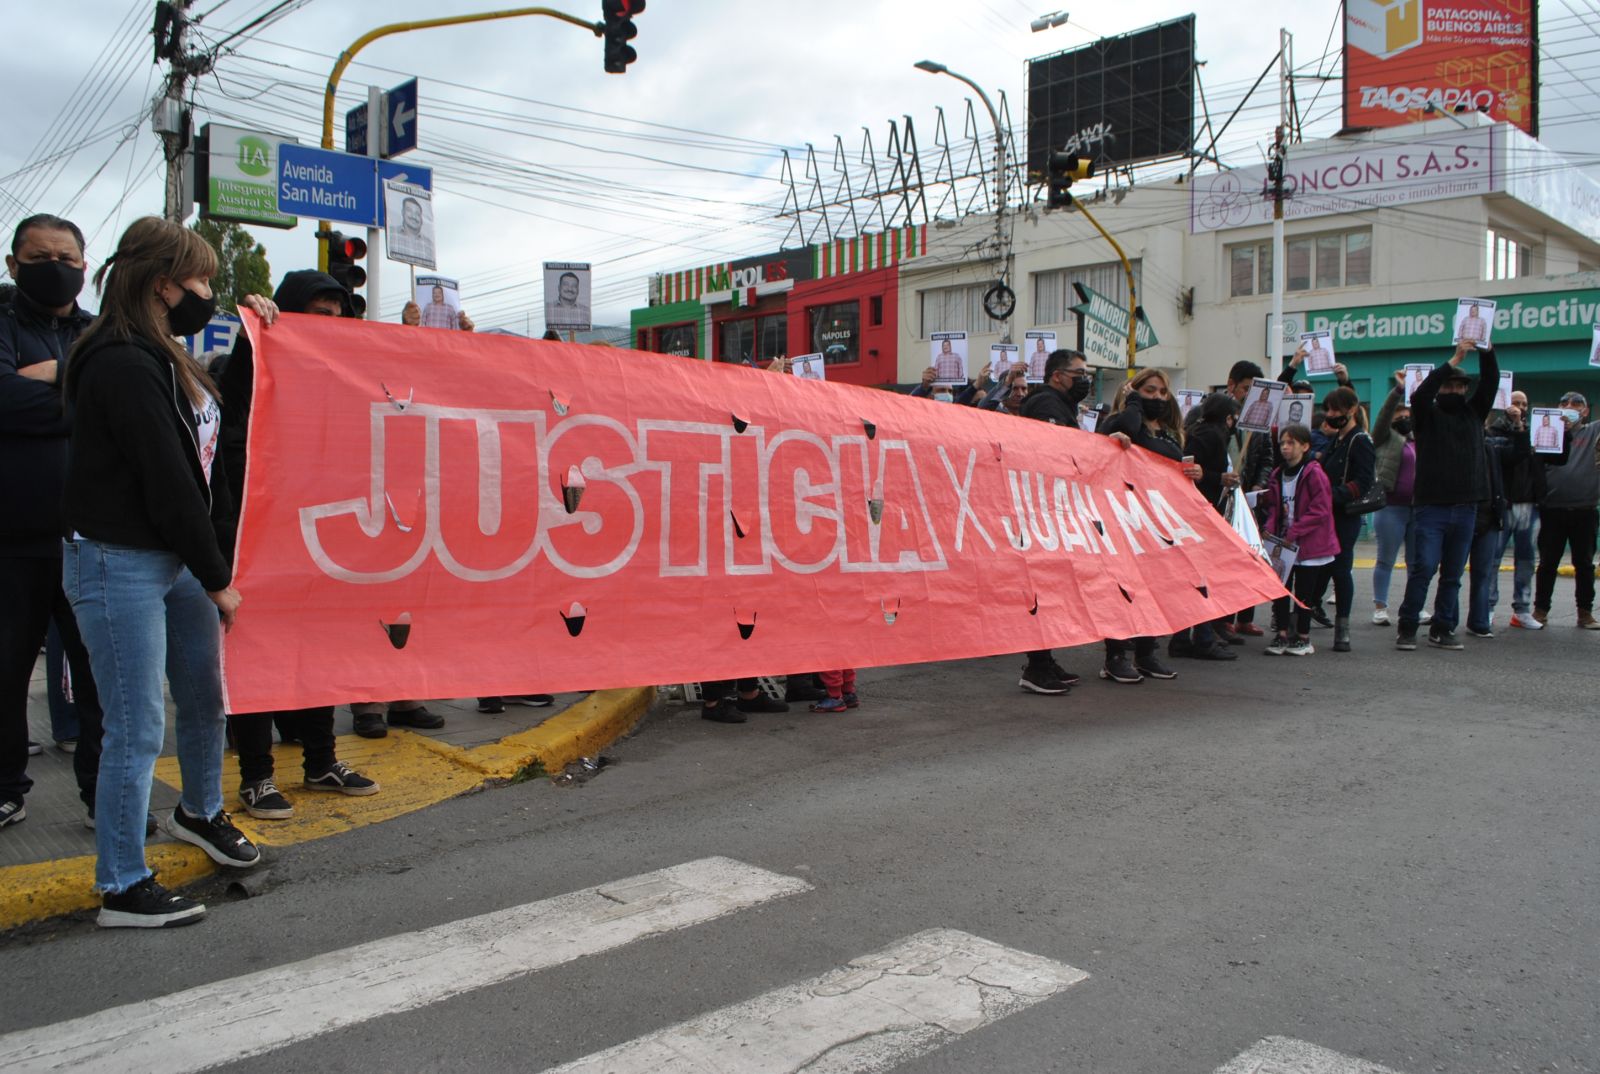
343,253
1061,170
618,30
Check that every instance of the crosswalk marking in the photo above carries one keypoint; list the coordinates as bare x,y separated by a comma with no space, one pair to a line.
1284,1055
870,1015
272,1008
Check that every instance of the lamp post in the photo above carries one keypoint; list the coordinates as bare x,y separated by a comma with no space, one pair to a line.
1002,248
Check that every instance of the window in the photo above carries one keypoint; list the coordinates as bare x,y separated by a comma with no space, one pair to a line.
956,309
752,339
1319,262
676,339
836,332
875,305
1506,258
1054,295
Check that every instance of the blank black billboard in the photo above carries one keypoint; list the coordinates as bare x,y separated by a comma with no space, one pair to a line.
1119,100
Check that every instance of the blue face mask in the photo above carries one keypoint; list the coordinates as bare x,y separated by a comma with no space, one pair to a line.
1569,416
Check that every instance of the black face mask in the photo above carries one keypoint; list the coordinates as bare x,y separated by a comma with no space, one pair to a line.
1336,422
1452,402
1077,388
1154,409
52,284
191,314
1401,426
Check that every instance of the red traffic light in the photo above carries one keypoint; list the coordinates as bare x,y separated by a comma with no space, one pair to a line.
355,249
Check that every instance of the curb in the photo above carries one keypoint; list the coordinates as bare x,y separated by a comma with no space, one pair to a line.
42,890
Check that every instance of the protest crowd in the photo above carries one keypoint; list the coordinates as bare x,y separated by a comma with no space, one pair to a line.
122,459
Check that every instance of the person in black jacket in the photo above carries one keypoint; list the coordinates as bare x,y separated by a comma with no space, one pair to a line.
313,292
1525,488
38,325
1506,445
1452,479
1066,384
143,564
1207,438
1147,418
1350,461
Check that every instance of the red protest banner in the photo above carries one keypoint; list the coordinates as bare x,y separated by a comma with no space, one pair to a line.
438,514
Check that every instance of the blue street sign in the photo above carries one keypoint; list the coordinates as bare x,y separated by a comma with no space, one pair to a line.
327,185
400,108
355,130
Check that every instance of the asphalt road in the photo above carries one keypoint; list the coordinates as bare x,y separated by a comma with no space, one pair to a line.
1394,856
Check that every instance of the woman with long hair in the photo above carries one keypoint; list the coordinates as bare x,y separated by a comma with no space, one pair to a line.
1147,417
143,565
1350,461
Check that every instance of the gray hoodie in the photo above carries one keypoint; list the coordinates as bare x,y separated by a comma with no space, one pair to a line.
1576,483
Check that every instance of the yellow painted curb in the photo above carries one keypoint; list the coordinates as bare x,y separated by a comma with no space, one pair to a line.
419,772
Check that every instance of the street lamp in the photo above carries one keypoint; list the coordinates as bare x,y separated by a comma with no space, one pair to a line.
1048,22
999,159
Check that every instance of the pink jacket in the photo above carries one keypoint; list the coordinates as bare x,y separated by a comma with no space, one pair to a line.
1313,518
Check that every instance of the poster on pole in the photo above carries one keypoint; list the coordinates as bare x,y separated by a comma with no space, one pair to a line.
408,224
1039,345
1502,395
1415,374
1261,405
1295,410
1188,399
1548,430
1474,322
1002,357
949,358
809,367
439,298
567,295
1318,347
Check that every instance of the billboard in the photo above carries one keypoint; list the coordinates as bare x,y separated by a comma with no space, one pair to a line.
1117,100
1402,55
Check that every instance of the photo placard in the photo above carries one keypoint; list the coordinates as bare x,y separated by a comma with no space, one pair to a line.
1474,322
1261,405
948,356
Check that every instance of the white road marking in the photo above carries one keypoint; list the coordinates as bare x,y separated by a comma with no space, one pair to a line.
230,1020
1284,1055
870,1015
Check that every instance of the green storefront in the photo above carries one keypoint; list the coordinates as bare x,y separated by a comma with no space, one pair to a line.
1545,339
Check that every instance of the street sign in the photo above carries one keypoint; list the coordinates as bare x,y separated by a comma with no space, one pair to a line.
400,107
399,134
239,176
1103,329
339,186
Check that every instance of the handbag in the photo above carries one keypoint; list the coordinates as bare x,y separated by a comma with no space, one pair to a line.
1374,499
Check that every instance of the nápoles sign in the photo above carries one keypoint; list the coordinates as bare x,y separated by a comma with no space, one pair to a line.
1400,56
459,514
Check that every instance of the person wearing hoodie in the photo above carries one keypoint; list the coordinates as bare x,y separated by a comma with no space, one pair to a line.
1348,458
1452,479
1504,448
317,293
1298,500
1567,516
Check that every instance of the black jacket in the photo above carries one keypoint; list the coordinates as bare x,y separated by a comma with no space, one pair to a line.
1452,469
1207,441
1522,471
1351,463
134,474
1130,422
1505,449
1047,404
33,426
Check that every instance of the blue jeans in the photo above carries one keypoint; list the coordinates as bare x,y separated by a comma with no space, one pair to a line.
1393,528
1484,571
141,611
1519,533
1443,538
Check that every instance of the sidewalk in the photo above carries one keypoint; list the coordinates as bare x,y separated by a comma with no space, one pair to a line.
47,861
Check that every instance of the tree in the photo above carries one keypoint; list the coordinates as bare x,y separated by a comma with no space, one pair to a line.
242,267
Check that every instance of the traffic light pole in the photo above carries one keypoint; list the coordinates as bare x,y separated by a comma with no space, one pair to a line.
1127,269
349,54
377,135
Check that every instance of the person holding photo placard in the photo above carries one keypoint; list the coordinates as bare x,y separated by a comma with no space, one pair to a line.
1395,468
1567,517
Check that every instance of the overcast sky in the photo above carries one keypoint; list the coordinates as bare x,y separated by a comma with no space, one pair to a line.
534,155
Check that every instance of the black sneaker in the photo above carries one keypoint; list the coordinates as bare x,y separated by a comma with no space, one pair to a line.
147,905
1406,640
1320,617
418,717
1440,638
493,706
1151,667
800,693
761,703
264,801
1485,632
1180,646
722,710
222,842
1042,681
12,813
533,701
342,778
1218,651
1119,668
370,725
1063,674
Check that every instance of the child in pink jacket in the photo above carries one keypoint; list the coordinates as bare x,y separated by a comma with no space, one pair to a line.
1300,510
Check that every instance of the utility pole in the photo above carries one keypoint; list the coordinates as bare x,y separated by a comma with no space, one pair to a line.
169,117
1275,178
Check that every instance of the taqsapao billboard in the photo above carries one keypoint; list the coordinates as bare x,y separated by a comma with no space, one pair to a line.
460,515
1400,56
1117,100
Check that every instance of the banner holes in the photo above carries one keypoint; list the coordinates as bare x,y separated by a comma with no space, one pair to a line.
574,617
398,405
559,405
1203,591
572,489
1034,610
1125,594
399,631
891,612
739,424
875,511
738,527
747,624
872,430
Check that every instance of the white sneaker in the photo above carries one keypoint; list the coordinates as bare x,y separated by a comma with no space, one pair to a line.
1526,622
1380,617
1425,618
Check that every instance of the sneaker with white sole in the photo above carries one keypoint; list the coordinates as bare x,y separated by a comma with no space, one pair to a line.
1380,617
1299,647
12,813
1042,681
264,801
1277,646
222,842
147,905
1525,622
343,779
